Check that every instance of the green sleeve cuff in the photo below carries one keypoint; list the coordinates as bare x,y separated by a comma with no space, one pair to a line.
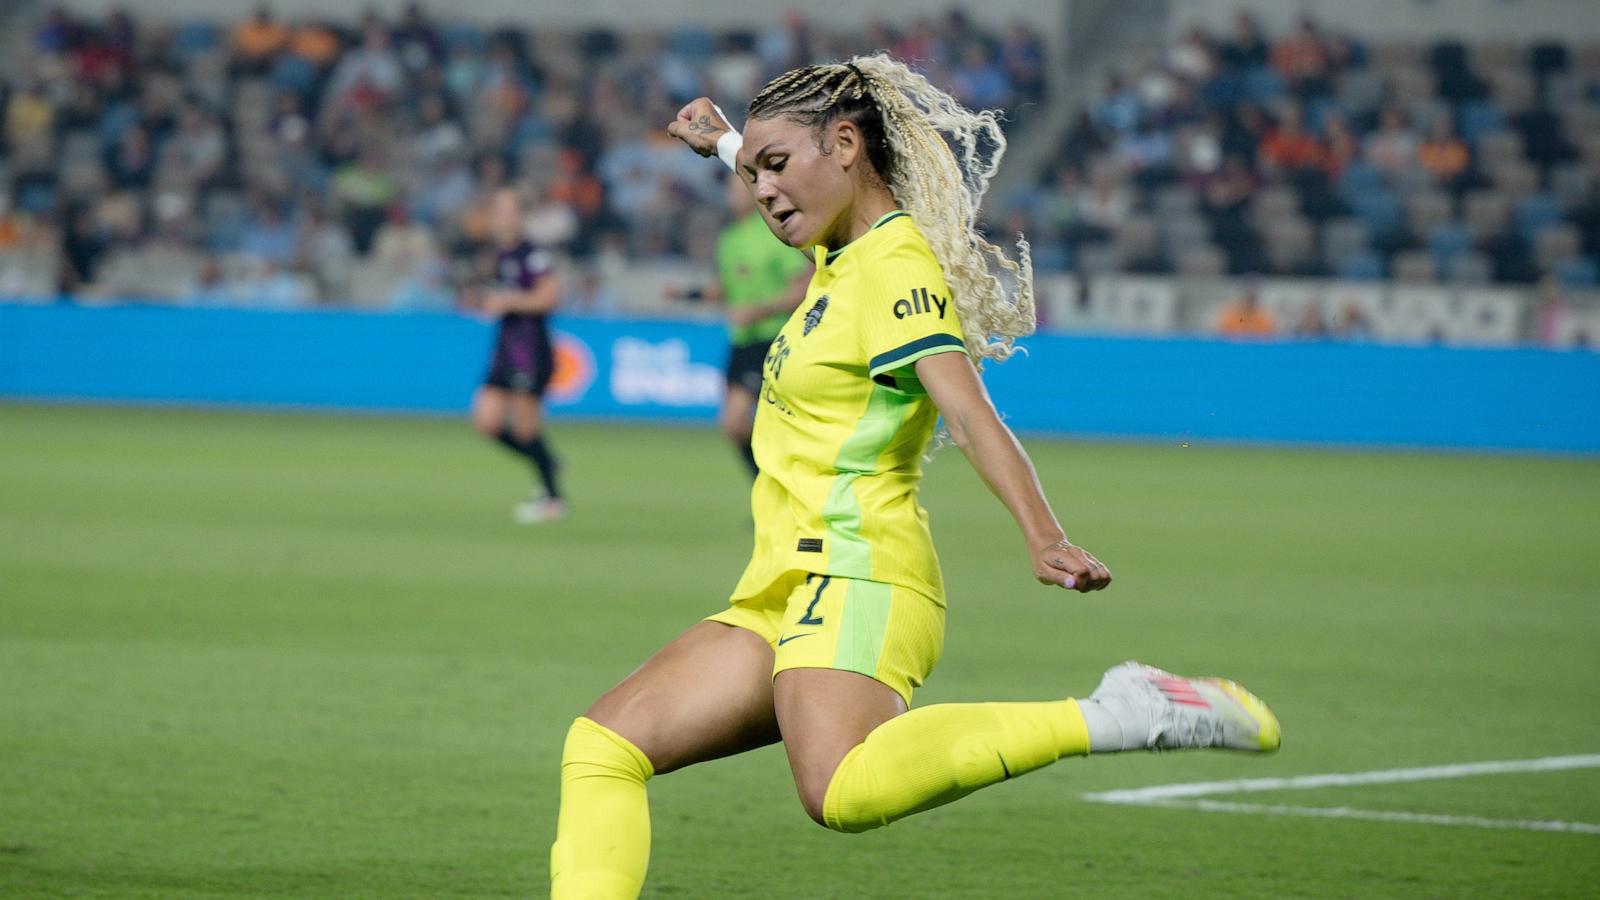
908,353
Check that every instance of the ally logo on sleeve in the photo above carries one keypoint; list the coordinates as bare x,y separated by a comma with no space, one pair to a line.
920,302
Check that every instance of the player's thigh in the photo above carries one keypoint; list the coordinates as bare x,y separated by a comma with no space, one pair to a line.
489,407
850,655
822,714
706,695
738,413
527,414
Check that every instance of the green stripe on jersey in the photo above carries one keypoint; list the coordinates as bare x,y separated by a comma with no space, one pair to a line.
914,350
866,624
849,554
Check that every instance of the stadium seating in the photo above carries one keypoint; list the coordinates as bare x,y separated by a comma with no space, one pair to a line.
213,174
1468,162
225,139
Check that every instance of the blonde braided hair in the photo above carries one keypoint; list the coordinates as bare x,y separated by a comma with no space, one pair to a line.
936,158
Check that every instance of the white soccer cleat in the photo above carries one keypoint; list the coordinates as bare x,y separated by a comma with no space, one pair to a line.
1158,710
539,509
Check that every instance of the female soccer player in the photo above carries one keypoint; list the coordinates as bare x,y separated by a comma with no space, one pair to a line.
840,613
508,406
762,281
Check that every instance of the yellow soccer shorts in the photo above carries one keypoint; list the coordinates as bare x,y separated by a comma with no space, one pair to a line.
886,632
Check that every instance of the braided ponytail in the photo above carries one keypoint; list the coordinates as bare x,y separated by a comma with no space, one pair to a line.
936,158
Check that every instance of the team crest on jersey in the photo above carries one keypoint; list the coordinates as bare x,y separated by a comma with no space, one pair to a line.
814,315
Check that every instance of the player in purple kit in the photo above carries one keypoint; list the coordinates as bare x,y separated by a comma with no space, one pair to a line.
508,406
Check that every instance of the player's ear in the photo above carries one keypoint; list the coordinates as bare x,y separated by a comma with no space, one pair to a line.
847,142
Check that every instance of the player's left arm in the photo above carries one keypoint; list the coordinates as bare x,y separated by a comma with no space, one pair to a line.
954,386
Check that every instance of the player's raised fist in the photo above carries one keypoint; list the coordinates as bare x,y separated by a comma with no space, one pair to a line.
699,125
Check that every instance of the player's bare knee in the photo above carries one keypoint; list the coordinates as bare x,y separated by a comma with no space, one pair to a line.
813,786
844,800
813,799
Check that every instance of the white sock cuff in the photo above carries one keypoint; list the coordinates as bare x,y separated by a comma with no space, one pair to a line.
1105,733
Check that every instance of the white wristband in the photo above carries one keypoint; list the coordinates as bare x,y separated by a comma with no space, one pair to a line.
728,145
728,148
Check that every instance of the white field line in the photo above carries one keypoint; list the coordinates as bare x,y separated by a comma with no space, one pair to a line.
1145,795
1378,815
1190,796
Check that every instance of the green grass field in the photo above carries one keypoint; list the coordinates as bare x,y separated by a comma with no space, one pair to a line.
293,655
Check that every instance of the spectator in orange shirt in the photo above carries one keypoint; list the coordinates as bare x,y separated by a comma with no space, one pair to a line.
581,191
1302,60
257,40
12,227
1244,317
1289,146
1340,143
575,186
315,43
1444,155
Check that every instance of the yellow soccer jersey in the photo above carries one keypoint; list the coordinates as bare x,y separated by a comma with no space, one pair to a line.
843,421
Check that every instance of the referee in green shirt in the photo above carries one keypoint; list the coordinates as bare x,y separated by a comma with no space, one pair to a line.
762,281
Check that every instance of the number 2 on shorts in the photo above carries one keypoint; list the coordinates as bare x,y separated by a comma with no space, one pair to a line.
808,618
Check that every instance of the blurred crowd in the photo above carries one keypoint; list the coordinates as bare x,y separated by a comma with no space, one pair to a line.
1313,153
297,161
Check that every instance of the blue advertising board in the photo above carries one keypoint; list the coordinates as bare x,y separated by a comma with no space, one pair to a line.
1165,389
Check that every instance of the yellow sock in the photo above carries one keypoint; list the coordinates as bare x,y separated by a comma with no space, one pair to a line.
936,754
602,846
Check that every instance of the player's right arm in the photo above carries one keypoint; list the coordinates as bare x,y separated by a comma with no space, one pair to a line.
699,125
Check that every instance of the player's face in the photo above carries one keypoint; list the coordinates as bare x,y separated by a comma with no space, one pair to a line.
505,217
802,192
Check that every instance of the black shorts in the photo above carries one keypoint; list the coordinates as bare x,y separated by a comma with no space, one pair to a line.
532,376
745,365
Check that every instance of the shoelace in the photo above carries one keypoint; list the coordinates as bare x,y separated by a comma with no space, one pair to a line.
1181,727
1200,731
